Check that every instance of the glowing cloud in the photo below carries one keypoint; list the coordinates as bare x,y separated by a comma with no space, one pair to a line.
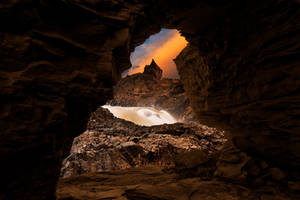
163,48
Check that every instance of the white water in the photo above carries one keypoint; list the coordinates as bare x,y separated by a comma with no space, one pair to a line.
145,116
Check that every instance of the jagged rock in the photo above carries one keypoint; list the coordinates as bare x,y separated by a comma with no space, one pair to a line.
247,86
113,144
144,90
152,183
60,59
154,70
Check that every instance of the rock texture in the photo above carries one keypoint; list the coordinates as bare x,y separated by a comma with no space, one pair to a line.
226,174
247,80
60,59
148,89
154,184
112,144
53,74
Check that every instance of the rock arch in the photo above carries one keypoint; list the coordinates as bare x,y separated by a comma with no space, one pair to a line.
60,59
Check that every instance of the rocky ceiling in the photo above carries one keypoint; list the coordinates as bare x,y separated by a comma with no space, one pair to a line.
59,60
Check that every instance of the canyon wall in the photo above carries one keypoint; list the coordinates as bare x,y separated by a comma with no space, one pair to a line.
60,60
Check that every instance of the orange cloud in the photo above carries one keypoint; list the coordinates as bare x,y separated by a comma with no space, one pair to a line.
163,54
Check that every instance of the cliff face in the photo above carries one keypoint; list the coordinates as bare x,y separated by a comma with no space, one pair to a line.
148,89
60,60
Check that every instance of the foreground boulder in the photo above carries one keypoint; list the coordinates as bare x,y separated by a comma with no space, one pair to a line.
112,144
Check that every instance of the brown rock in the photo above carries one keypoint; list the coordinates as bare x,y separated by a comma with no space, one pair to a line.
152,183
113,144
154,70
246,86
144,90
277,174
294,185
231,164
192,159
60,59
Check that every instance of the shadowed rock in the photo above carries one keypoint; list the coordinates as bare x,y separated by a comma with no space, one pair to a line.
152,183
154,70
60,59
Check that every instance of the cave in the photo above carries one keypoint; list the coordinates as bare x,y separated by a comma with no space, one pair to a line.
240,71
147,125
134,128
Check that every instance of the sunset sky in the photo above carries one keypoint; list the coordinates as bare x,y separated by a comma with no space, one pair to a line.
163,47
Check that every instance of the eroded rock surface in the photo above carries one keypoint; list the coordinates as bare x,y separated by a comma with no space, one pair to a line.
148,89
57,64
60,59
247,81
113,144
226,174
152,183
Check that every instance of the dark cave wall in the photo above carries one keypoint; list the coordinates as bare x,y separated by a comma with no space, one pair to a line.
60,60
244,77
58,63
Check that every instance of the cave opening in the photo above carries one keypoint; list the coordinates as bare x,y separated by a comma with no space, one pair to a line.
162,47
61,59
151,84
149,121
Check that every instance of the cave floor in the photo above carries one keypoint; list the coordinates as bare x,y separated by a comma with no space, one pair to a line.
152,183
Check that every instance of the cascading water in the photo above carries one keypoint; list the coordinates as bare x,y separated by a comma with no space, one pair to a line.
145,116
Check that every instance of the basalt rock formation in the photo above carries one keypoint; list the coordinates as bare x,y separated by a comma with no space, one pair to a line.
60,60
148,89
111,143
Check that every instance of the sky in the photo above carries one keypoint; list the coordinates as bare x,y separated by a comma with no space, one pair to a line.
163,47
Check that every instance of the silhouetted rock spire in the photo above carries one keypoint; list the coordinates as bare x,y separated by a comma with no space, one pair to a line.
153,69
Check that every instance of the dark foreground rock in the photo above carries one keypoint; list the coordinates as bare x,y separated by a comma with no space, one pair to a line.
152,183
148,89
112,144
60,60
228,174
